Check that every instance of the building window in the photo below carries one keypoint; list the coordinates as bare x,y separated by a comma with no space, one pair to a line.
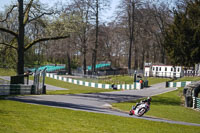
174,69
153,68
178,69
171,69
160,68
165,68
156,68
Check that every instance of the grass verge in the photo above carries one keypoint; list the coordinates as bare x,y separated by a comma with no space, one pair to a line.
120,79
169,106
117,79
188,79
7,72
19,117
72,88
152,80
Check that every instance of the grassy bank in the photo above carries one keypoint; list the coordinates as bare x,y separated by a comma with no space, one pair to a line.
169,106
19,117
72,88
120,79
7,72
153,80
188,79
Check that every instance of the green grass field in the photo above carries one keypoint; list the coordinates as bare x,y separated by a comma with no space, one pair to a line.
153,80
7,72
19,117
169,106
124,80
118,79
73,89
188,79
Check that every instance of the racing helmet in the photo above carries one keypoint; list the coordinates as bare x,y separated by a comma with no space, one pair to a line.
149,99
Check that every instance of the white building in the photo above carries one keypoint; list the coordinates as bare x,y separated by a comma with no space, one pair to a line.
163,71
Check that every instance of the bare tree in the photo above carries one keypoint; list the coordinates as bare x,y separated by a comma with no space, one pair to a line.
83,10
161,15
24,18
97,7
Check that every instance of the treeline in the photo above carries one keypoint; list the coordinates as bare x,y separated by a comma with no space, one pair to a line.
76,34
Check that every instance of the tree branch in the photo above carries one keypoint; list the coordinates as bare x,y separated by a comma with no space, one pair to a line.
50,13
27,10
8,13
44,39
9,31
6,44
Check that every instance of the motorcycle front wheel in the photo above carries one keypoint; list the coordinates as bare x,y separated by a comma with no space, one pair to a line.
131,113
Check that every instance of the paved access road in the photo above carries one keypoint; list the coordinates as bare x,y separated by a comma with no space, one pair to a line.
100,102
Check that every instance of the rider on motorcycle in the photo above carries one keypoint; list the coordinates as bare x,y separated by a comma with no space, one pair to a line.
148,101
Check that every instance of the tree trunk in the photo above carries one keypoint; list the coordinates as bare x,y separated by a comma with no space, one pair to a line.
20,50
39,57
154,53
84,52
131,20
136,59
94,62
147,56
3,59
130,53
84,62
94,57
69,64
142,61
163,55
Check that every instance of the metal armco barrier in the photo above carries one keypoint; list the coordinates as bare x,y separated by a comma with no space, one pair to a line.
196,103
178,84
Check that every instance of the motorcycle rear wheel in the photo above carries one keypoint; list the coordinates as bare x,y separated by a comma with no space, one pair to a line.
141,112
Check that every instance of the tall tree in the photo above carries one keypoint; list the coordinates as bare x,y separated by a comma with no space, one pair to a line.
20,37
97,7
24,18
94,53
83,10
127,17
161,15
182,39
131,25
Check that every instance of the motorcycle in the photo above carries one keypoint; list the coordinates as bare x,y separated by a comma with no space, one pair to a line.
140,110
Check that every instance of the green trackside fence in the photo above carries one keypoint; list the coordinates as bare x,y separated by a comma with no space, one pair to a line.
95,85
196,103
178,84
